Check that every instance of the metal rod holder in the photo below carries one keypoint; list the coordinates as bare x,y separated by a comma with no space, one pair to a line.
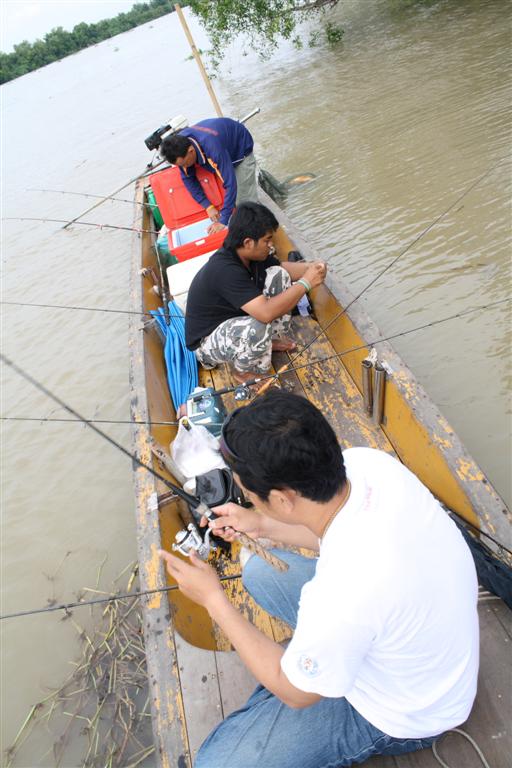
366,367
379,388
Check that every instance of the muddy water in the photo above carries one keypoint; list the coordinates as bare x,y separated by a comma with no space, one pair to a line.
396,123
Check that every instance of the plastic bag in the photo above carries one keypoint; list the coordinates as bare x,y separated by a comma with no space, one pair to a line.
195,450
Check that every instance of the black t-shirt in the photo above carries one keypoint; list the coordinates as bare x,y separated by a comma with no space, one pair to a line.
218,291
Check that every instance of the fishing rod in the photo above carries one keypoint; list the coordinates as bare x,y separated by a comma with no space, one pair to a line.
257,380
37,384
90,421
149,169
200,507
113,598
389,266
175,424
286,370
147,172
83,223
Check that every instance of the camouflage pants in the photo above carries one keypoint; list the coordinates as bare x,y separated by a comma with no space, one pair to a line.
244,341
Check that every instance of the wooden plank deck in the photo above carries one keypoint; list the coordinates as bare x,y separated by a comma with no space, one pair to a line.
216,683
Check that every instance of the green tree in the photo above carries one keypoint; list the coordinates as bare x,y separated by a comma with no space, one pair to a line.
263,22
84,35
59,43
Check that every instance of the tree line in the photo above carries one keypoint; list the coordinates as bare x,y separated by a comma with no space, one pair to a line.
58,43
263,24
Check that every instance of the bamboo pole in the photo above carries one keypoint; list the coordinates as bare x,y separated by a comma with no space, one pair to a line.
197,57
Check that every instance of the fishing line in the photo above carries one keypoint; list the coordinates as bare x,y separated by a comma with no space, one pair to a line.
478,530
100,309
86,309
111,599
393,262
83,223
85,194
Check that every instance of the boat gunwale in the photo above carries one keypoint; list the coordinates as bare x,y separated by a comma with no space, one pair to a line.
166,701
493,515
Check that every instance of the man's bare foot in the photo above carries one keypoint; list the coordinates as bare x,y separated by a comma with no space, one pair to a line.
283,344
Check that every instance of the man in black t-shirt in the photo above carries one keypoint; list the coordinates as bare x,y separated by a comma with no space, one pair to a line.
239,303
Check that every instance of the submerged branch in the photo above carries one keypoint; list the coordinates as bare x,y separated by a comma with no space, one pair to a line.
105,699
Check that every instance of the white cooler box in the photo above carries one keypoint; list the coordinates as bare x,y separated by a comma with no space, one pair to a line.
180,276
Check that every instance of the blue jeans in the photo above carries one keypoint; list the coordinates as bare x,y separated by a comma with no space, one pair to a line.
265,733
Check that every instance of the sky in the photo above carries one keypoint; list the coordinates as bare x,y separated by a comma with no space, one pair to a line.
30,20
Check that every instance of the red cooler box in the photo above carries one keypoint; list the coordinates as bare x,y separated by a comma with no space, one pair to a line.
183,216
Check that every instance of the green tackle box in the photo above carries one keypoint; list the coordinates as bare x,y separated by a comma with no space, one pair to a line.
154,208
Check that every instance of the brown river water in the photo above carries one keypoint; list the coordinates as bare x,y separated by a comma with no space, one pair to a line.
396,122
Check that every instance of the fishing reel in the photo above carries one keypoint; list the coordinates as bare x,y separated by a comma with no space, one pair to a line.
189,540
213,488
242,392
174,125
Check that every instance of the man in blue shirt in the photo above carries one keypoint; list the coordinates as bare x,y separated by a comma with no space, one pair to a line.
223,146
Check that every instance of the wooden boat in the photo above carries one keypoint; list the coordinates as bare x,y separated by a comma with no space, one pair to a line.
194,678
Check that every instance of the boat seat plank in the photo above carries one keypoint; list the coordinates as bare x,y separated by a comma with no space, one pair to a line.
200,688
221,377
490,721
334,392
290,382
214,684
503,614
218,378
235,681
381,761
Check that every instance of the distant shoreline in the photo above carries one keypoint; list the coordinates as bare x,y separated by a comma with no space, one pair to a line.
58,43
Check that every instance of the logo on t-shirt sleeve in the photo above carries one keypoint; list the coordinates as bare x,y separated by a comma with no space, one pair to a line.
308,665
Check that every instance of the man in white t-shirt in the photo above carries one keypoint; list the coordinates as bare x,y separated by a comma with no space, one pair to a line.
384,654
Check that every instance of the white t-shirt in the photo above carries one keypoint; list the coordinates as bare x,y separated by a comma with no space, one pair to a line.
390,618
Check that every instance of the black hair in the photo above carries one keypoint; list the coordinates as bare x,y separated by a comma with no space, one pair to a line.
174,146
249,220
282,441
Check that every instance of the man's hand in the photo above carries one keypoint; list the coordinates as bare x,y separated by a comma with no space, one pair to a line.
315,273
213,213
216,226
196,579
232,519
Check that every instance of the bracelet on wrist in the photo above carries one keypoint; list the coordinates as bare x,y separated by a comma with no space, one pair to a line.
305,284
